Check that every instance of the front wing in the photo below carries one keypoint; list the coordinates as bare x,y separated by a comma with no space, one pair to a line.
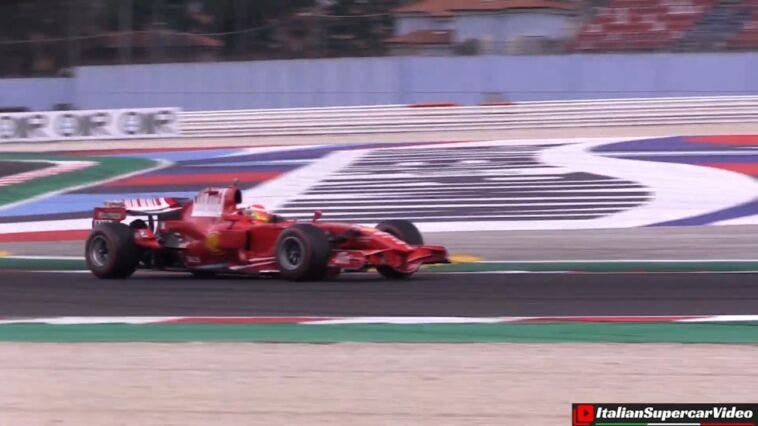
400,260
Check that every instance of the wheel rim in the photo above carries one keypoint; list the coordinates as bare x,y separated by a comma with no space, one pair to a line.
291,253
98,252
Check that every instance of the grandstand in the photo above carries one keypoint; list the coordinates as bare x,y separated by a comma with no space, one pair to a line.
716,26
671,25
107,32
604,25
747,37
639,24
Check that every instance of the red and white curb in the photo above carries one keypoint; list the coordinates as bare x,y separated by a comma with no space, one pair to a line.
319,320
59,167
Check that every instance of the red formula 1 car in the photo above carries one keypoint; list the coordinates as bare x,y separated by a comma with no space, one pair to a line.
212,234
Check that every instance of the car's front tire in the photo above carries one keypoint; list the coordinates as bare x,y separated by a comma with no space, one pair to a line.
403,230
302,252
110,251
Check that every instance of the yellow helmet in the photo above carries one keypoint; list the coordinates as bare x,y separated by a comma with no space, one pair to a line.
259,213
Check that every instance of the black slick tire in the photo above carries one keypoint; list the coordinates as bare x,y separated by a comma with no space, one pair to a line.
403,230
110,251
302,252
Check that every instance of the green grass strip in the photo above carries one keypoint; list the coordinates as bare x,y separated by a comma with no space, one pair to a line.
27,264
388,333
602,266
106,168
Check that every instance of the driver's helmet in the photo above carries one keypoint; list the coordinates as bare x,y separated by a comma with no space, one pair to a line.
259,213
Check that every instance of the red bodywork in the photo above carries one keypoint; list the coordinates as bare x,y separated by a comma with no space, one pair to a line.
212,233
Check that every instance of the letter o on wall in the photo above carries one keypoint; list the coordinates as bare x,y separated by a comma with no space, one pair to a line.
130,123
8,127
67,125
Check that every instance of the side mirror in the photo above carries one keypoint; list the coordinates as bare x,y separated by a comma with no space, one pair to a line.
316,215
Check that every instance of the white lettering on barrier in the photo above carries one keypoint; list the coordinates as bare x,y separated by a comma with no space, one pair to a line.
89,124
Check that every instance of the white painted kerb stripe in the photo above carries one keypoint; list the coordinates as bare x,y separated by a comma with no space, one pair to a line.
89,320
410,320
137,320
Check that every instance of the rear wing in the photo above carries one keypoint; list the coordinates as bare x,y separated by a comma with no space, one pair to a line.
117,211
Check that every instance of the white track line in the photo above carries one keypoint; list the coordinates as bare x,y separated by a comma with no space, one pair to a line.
624,319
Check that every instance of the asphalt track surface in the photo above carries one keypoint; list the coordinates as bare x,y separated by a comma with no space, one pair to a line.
41,294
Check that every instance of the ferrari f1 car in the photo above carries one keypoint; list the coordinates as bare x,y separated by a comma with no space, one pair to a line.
214,234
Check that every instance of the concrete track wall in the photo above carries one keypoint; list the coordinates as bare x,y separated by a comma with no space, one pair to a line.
37,94
387,80
371,81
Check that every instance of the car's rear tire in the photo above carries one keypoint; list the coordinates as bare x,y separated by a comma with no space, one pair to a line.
302,252
110,251
403,230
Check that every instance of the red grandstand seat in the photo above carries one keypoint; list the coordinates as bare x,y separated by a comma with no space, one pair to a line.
640,24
